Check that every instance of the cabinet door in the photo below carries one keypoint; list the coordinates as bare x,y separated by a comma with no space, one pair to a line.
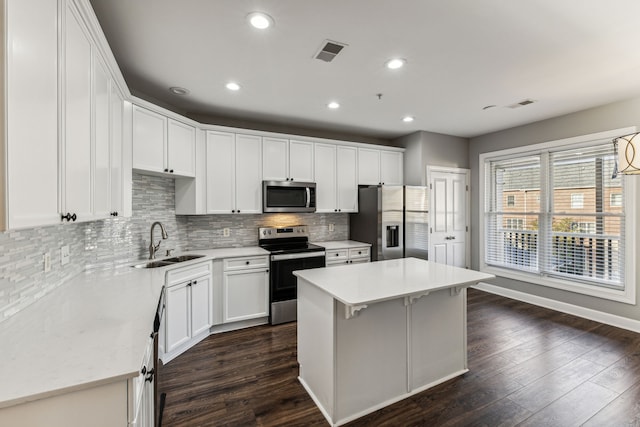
391,167
245,295
248,165
181,148
149,140
368,167
220,172
347,179
201,305
116,161
301,161
31,95
325,173
101,140
275,159
178,316
76,186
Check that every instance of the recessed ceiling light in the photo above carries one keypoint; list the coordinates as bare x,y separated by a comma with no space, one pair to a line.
260,20
333,105
407,119
395,63
233,86
178,90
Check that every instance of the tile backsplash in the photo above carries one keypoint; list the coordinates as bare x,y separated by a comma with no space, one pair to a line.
117,241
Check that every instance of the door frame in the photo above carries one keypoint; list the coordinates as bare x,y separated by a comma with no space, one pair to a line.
467,172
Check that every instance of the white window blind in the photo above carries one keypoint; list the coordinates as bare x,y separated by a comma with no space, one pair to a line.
562,223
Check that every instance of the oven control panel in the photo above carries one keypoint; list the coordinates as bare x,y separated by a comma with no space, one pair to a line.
283,232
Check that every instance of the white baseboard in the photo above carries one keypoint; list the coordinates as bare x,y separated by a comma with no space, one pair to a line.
563,307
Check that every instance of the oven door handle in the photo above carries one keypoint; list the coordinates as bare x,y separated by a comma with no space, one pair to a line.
284,257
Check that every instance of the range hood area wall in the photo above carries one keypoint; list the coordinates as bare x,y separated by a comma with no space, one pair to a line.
118,241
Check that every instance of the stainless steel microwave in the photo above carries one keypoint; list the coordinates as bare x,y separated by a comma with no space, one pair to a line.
288,196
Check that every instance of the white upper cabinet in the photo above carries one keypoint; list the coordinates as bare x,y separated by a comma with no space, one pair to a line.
234,173
380,167
221,152
117,164
285,160
368,166
325,171
30,37
162,145
149,140
347,179
275,159
77,138
336,178
391,172
101,140
181,148
301,161
248,170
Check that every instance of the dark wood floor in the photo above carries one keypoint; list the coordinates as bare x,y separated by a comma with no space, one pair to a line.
528,366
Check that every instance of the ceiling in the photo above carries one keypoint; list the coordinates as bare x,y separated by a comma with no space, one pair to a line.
461,56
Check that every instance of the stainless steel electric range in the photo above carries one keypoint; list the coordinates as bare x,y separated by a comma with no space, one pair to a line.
290,251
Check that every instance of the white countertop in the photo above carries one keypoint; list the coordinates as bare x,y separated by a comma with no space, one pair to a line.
368,283
91,330
341,244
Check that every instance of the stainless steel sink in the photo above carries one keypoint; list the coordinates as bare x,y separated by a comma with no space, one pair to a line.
167,261
182,258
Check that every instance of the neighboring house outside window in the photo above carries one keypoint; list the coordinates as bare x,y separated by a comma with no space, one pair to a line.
511,200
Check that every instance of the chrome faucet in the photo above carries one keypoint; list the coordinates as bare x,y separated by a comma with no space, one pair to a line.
153,248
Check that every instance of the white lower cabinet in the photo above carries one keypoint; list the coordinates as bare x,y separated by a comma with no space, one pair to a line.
245,288
353,255
188,308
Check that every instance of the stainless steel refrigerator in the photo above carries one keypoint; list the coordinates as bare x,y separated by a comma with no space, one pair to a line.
394,220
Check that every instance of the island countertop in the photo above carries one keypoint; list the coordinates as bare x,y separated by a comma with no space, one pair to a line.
384,280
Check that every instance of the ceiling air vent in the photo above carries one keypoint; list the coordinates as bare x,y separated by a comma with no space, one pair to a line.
521,103
329,50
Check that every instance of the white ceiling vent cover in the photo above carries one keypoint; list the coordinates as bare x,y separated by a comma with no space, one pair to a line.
329,50
521,103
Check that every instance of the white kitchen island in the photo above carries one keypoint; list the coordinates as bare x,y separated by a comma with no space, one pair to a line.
372,334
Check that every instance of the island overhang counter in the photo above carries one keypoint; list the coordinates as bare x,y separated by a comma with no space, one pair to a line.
372,334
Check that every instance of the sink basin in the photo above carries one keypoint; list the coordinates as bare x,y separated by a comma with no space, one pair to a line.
182,258
167,261
153,264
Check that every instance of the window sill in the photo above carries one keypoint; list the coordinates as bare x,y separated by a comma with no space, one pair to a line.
626,296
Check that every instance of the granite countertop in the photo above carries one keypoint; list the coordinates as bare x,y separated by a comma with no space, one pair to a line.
90,331
359,284
341,244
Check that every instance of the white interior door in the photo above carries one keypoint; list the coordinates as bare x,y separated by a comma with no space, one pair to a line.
449,216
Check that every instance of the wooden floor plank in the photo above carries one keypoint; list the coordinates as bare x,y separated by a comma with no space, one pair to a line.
527,366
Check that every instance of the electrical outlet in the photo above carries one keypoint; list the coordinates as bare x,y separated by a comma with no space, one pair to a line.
64,255
47,262
226,232
332,227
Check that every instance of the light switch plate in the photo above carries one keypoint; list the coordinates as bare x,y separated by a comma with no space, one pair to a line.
226,232
332,227
64,255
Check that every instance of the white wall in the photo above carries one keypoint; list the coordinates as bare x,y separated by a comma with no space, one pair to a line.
608,117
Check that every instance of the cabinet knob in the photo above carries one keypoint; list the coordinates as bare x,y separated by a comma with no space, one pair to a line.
247,262
335,210
114,213
359,252
68,217
195,282
238,211
337,254
171,171
339,210
166,170
233,211
266,271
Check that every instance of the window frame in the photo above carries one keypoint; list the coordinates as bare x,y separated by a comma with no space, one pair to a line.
628,293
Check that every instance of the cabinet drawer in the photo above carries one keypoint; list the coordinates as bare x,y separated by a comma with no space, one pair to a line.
185,273
355,253
337,255
231,264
